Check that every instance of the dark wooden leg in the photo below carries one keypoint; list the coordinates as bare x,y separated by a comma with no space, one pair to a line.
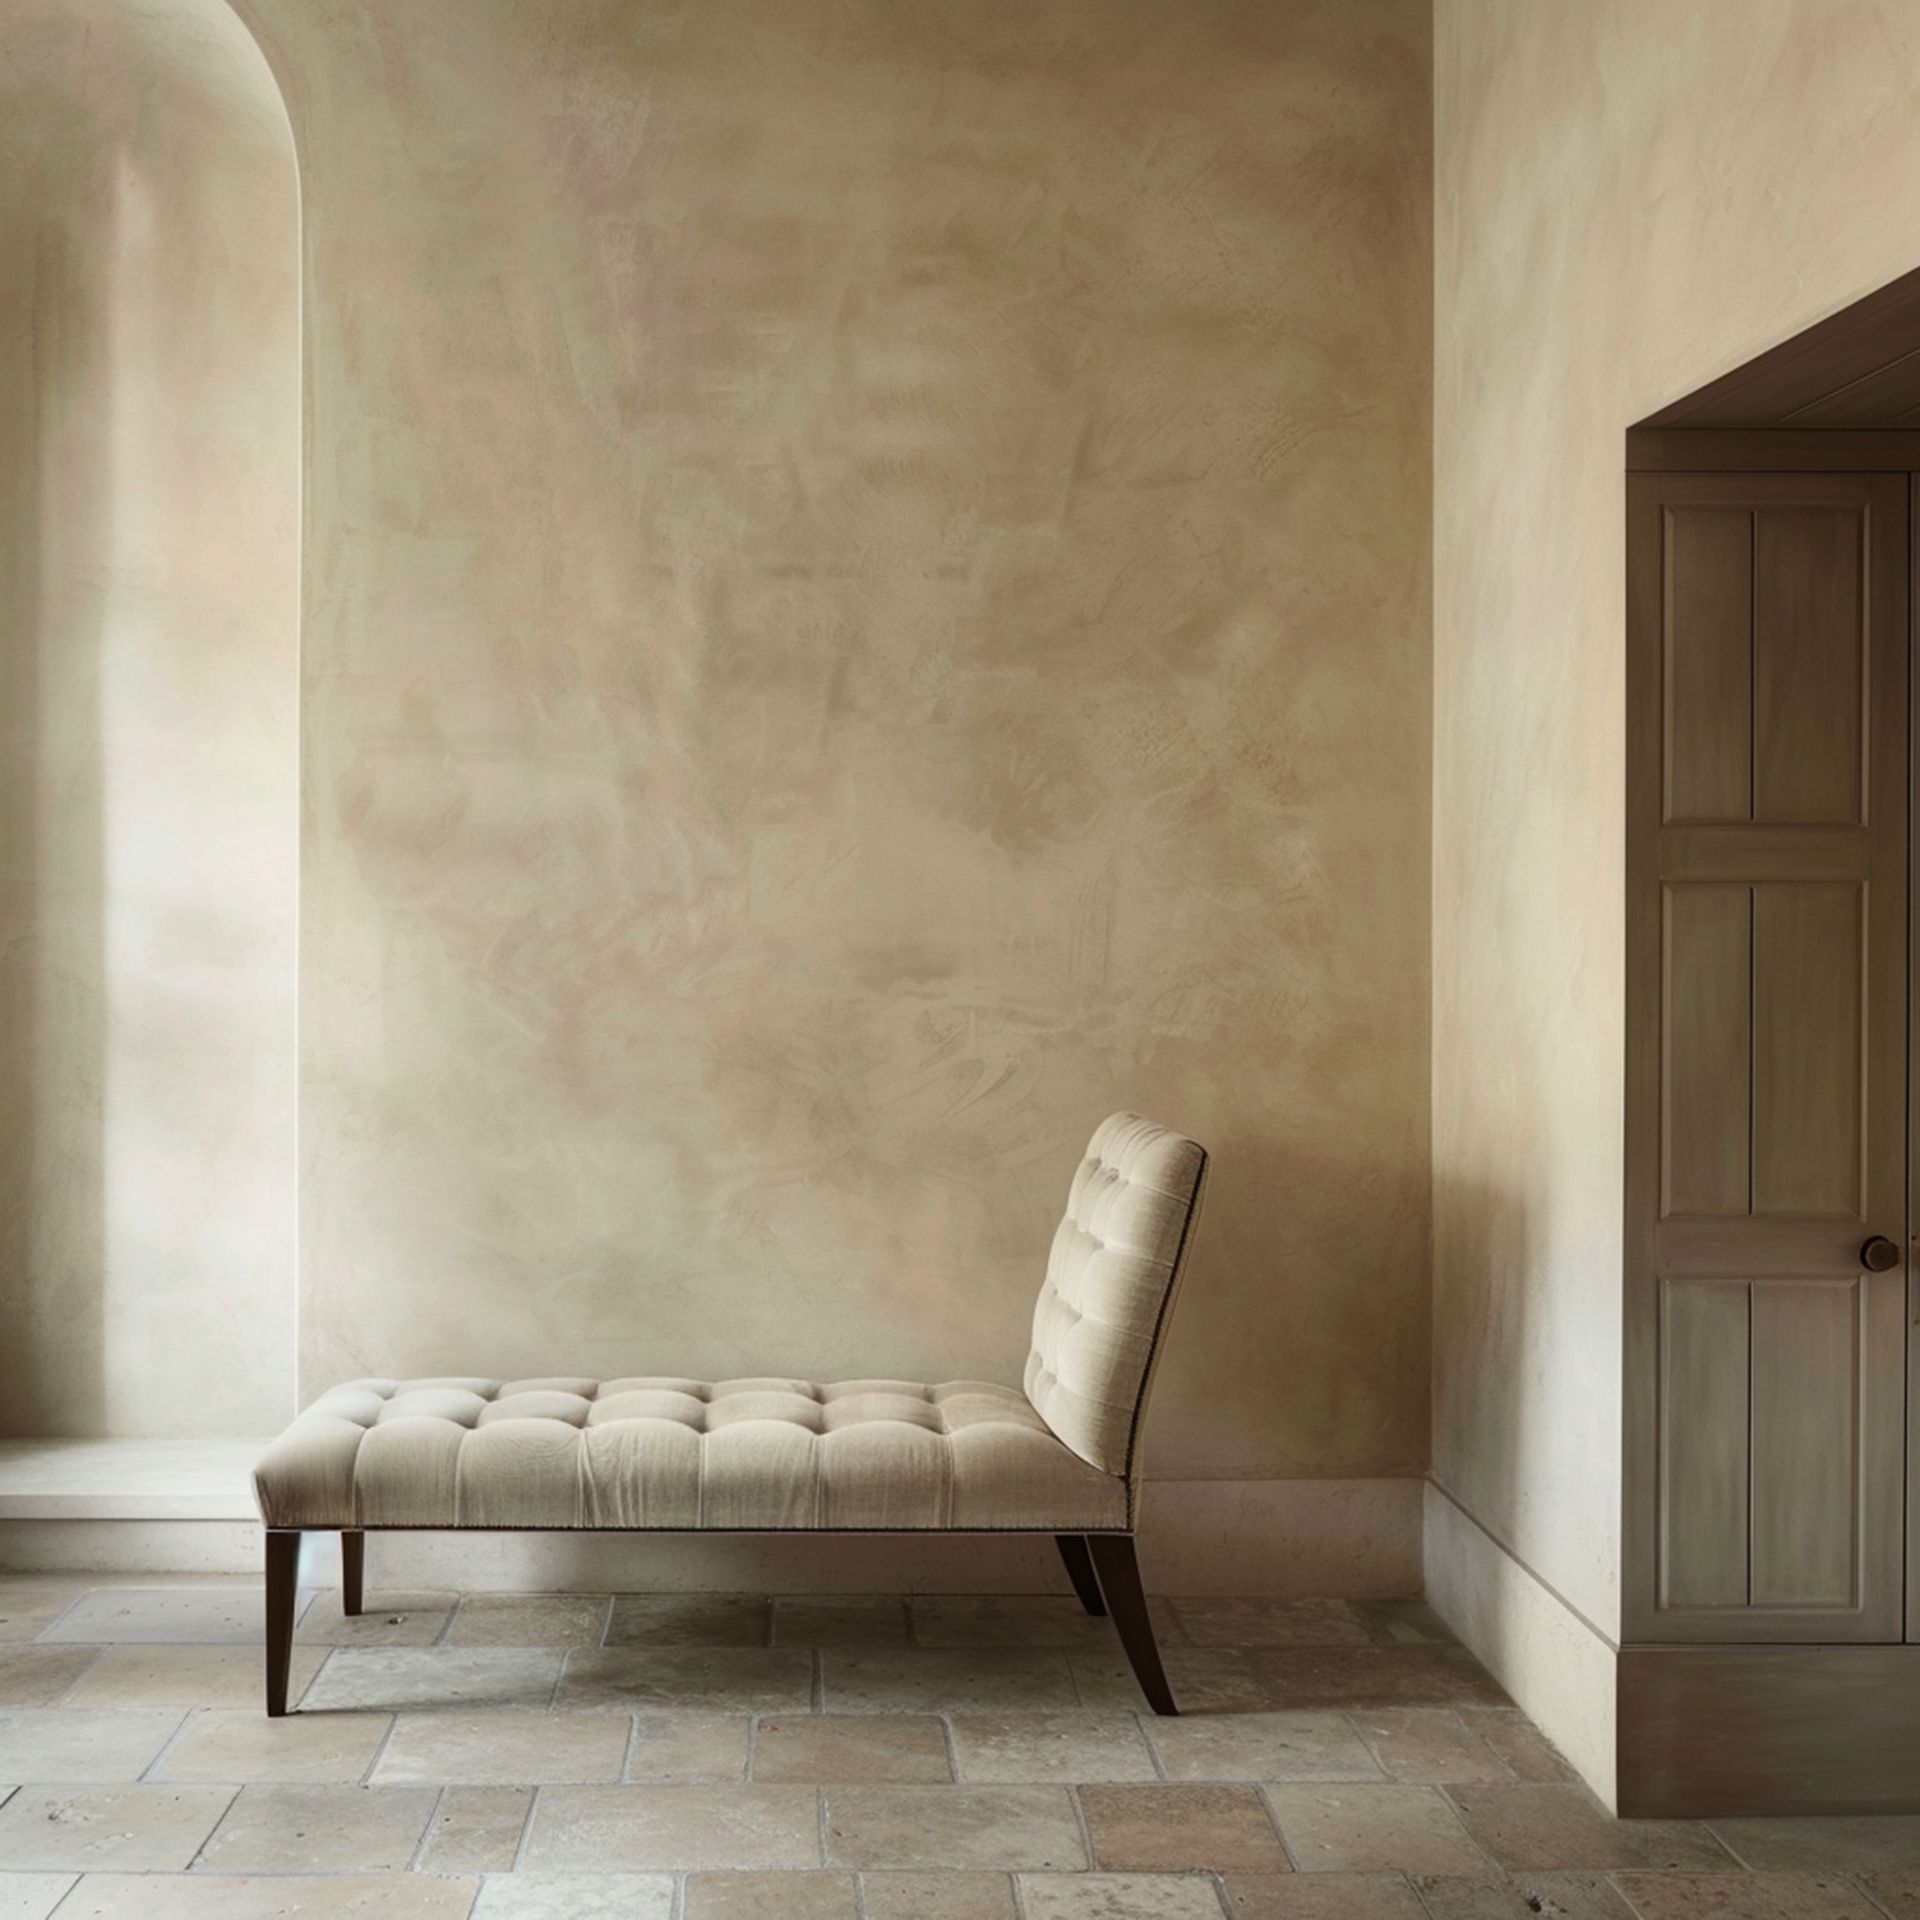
353,1567
1119,1570
283,1575
1079,1564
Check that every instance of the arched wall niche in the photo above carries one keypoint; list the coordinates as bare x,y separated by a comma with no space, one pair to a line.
149,716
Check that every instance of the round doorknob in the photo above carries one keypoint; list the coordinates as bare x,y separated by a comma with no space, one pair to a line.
1879,1254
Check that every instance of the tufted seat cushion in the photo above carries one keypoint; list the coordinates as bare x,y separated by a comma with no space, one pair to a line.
668,1453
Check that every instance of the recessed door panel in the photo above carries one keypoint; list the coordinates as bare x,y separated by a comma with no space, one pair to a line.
1708,1056
1805,1415
1808,641
1705,1394
1709,665
1766,1072
1808,944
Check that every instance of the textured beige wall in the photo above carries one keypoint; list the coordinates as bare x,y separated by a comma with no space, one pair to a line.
1631,198
866,604
149,493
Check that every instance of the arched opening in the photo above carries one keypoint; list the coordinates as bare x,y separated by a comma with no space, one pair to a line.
149,609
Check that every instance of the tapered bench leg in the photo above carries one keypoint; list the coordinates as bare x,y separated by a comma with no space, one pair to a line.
283,1574
1079,1564
353,1567
1119,1570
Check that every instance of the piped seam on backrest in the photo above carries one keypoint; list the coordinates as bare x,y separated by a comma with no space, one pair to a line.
1159,1327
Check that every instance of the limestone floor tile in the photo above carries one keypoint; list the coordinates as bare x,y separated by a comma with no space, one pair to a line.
204,1616
37,1676
575,1896
689,1620
771,1896
1518,1742
1068,1747
1007,1620
1829,1844
1745,1896
1321,1896
30,1603
700,1679
1363,1677
387,1620
140,1829
389,1679
1271,1623
529,1620
240,1746
210,1896
1428,1746
937,1896
504,1746
934,1680
1367,1829
83,1745
476,1830
1118,1896
185,1676
897,1749
1564,1828
1897,1893
1520,1896
1174,1829
688,1747
1261,1746
926,1828
32,1896
839,1620
673,1828
320,1830
1402,1623
1203,1679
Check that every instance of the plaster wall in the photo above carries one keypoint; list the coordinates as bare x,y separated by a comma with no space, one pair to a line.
1630,199
866,604
149,526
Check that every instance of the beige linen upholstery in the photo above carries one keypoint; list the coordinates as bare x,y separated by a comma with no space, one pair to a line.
1110,1283
776,1454
746,1454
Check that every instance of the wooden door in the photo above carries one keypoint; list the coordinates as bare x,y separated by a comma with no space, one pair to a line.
1766,1056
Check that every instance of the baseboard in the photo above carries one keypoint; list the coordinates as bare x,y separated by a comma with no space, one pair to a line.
129,1545
1557,1666
1291,1538
1729,1731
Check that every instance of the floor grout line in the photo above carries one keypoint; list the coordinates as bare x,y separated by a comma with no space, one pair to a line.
166,1746
380,1750
417,1862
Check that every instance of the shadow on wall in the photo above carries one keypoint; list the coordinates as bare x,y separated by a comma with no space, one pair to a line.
1485,1257
149,513
52,1017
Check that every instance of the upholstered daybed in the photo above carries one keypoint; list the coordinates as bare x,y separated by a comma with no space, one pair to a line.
660,1454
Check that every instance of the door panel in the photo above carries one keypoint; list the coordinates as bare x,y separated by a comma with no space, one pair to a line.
1704,1428
1709,666
1766,1069
1709,1050
1806,1338
1808,637
1808,950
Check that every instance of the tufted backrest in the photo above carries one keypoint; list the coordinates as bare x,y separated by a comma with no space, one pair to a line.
1110,1283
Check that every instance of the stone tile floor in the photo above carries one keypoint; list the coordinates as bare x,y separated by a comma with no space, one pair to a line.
729,1757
